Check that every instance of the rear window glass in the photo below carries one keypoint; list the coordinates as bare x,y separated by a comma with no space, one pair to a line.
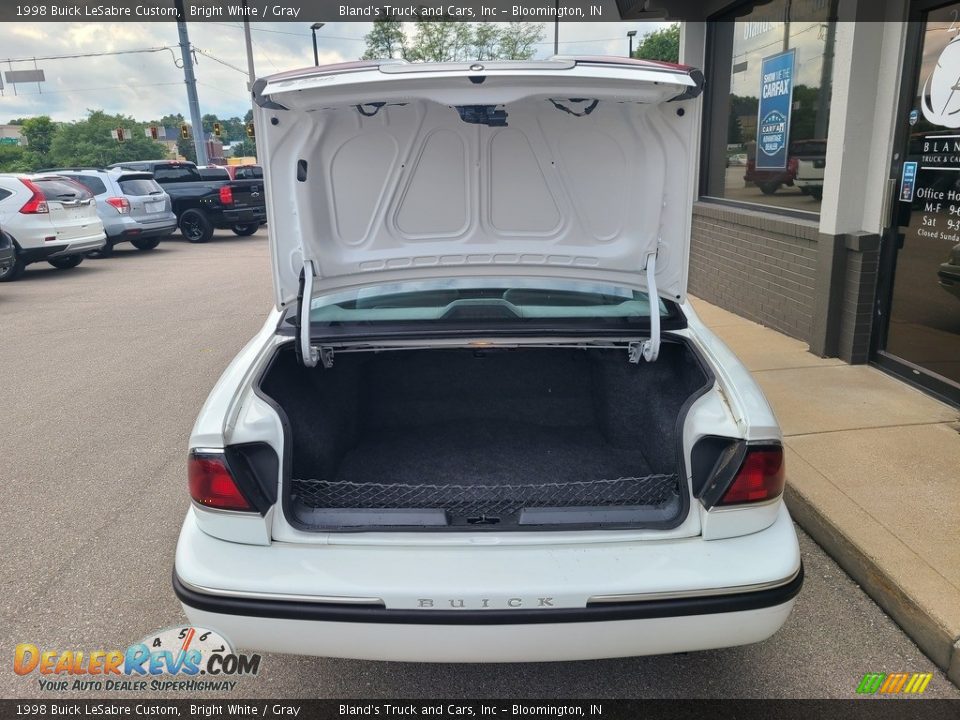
56,189
214,174
176,173
508,301
249,173
140,186
90,182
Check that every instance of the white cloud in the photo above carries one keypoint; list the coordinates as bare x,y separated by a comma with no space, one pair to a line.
149,85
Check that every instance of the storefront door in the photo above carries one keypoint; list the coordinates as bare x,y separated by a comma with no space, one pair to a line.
917,331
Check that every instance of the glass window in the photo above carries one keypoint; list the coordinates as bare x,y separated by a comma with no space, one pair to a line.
214,174
249,172
90,182
62,189
176,173
486,301
771,104
924,317
140,186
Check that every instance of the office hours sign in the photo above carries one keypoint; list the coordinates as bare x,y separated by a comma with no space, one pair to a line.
773,117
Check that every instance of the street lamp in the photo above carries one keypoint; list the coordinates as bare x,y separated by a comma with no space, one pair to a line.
313,31
631,34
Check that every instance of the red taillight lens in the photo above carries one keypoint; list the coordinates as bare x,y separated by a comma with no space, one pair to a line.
760,477
212,485
37,204
121,204
226,195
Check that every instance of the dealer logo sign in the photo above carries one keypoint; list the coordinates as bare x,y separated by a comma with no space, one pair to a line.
180,658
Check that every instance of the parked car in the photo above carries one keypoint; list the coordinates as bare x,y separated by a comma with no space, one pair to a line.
7,253
132,206
769,181
811,156
48,218
949,272
203,205
245,172
483,423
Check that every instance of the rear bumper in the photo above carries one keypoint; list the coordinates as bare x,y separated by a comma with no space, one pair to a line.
542,641
229,218
77,246
133,230
263,605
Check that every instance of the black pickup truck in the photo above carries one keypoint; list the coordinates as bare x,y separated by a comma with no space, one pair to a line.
202,205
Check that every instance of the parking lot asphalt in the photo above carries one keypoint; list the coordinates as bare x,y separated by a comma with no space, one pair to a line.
102,371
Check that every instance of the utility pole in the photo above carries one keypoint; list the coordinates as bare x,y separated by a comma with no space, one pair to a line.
199,140
556,31
246,37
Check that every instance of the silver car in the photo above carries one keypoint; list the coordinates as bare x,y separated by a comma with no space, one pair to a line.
132,206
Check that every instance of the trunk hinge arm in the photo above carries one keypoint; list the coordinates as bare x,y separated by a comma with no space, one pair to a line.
307,354
649,349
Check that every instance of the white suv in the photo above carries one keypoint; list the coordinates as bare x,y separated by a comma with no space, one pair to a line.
49,218
482,422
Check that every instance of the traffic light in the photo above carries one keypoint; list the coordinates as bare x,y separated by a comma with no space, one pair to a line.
120,137
185,131
249,129
216,129
154,133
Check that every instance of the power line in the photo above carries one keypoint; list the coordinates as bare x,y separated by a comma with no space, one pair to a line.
86,55
216,59
286,32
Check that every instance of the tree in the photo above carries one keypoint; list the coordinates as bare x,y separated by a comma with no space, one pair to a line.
446,41
246,148
734,128
14,158
518,40
385,40
662,44
39,132
89,142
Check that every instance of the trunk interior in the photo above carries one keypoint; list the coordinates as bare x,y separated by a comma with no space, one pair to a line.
524,438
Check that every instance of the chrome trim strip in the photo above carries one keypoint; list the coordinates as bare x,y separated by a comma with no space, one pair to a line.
330,599
641,597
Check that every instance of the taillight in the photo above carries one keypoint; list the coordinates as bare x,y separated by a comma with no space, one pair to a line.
212,485
226,195
37,204
121,204
759,478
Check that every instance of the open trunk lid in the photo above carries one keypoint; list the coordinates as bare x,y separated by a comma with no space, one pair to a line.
577,168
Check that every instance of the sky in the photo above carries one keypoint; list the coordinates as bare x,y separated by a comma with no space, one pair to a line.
149,85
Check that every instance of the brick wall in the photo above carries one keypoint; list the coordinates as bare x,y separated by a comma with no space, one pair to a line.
759,266
862,262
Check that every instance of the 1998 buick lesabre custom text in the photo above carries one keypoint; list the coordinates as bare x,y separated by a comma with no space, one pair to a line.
482,422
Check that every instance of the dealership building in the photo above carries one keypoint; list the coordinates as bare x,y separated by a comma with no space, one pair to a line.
828,200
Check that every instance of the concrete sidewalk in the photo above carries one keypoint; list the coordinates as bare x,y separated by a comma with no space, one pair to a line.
873,473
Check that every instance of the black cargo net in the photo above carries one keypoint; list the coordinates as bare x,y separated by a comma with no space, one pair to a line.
488,499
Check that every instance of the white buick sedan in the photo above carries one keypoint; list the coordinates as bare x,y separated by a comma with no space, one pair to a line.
482,422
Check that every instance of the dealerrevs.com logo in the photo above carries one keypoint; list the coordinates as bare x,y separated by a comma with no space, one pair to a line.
183,658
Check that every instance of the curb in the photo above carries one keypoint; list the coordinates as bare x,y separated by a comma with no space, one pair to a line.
883,589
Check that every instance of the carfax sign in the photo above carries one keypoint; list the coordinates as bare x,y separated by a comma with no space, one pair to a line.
773,117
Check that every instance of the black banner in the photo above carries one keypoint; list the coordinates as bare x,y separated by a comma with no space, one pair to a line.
857,709
359,11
